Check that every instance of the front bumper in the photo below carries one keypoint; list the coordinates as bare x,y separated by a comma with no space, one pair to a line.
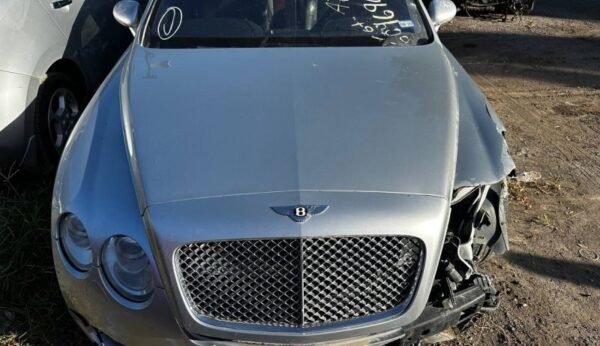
156,322
108,322
98,312
240,217
432,321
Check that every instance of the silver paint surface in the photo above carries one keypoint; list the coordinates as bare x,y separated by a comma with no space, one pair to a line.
193,145
294,119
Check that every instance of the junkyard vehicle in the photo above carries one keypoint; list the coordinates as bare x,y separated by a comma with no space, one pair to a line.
54,54
289,172
518,7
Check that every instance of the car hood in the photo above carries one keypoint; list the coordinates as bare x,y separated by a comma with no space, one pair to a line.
204,123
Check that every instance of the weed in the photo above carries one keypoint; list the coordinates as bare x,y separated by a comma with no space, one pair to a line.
546,221
32,311
555,183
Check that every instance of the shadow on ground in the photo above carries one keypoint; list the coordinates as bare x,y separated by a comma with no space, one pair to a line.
568,61
568,9
579,273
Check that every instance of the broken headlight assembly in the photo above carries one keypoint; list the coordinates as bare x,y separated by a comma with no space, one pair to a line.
476,232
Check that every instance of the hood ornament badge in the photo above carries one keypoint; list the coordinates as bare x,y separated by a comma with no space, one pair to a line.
301,213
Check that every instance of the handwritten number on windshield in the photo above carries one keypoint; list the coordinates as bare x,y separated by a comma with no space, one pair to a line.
169,23
382,22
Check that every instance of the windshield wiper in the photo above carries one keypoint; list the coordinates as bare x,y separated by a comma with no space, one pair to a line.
285,41
264,41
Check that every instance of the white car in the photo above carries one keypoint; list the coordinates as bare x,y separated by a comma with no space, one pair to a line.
54,54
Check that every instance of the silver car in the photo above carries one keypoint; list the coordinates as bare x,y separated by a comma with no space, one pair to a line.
285,172
55,53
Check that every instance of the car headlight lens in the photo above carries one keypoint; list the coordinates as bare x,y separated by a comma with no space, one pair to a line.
75,242
127,268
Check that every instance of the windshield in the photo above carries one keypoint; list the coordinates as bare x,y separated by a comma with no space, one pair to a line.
273,23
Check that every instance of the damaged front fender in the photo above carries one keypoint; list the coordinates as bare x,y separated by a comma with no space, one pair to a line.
483,157
477,228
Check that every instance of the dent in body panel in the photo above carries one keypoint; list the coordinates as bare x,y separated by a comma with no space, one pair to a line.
483,157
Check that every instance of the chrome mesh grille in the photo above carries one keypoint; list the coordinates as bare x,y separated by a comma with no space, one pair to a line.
298,282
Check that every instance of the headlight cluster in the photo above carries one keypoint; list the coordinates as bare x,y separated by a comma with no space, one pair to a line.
75,242
124,262
127,268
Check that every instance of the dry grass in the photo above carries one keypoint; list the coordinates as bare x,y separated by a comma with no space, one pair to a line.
32,311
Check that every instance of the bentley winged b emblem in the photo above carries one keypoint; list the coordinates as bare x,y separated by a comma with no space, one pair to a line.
301,213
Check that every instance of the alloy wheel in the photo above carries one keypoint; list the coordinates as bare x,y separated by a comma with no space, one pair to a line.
63,112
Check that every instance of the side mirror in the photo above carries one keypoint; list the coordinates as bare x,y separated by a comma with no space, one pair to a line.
441,12
127,13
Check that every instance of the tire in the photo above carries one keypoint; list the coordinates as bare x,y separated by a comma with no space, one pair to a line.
58,105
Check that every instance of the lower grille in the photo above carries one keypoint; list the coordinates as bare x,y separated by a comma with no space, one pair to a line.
299,282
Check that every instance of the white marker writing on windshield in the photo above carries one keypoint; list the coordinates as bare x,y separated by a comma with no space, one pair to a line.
169,23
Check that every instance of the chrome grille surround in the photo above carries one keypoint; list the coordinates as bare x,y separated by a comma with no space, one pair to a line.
299,282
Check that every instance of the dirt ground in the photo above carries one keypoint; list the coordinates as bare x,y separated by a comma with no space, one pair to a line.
542,74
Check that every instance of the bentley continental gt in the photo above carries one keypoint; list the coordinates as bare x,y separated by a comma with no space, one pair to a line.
281,172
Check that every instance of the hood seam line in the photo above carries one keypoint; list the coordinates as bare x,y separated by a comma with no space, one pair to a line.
292,191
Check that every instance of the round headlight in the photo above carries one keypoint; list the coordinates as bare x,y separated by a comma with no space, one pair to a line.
127,268
75,242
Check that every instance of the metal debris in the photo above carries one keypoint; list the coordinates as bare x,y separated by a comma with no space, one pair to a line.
528,177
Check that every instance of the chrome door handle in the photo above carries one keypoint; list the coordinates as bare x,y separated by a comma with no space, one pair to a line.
61,3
